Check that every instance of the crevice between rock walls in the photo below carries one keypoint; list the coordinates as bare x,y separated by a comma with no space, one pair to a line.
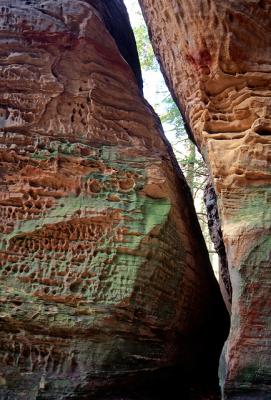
214,226
116,20
216,58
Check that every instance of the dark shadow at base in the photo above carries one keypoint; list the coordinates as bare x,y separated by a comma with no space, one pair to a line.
167,384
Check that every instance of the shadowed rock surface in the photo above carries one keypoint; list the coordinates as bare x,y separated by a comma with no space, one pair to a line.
105,279
214,225
216,58
116,20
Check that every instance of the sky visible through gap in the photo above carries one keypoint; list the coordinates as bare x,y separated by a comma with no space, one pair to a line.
155,92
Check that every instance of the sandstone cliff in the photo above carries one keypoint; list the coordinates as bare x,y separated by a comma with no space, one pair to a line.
216,57
104,272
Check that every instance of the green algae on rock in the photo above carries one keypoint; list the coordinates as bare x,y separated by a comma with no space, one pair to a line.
104,276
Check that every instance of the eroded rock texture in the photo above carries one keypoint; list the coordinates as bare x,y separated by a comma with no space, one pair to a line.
216,57
104,273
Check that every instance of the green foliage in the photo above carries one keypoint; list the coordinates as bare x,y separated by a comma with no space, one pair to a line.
173,117
191,162
147,59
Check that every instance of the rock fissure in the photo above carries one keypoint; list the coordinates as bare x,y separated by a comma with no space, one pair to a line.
216,58
105,282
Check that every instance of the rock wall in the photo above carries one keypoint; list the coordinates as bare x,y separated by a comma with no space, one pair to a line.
214,225
216,57
104,276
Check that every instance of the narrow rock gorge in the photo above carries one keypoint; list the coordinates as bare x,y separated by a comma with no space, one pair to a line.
216,58
105,281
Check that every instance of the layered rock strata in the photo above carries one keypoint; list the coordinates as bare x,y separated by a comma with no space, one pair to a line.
104,273
216,57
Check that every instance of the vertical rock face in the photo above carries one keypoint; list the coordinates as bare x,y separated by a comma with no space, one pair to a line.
104,273
214,225
217,59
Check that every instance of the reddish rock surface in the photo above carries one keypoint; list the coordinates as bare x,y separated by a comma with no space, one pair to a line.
216,58
104,272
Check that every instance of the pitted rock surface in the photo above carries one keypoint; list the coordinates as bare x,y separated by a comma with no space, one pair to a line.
216,57
104,273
